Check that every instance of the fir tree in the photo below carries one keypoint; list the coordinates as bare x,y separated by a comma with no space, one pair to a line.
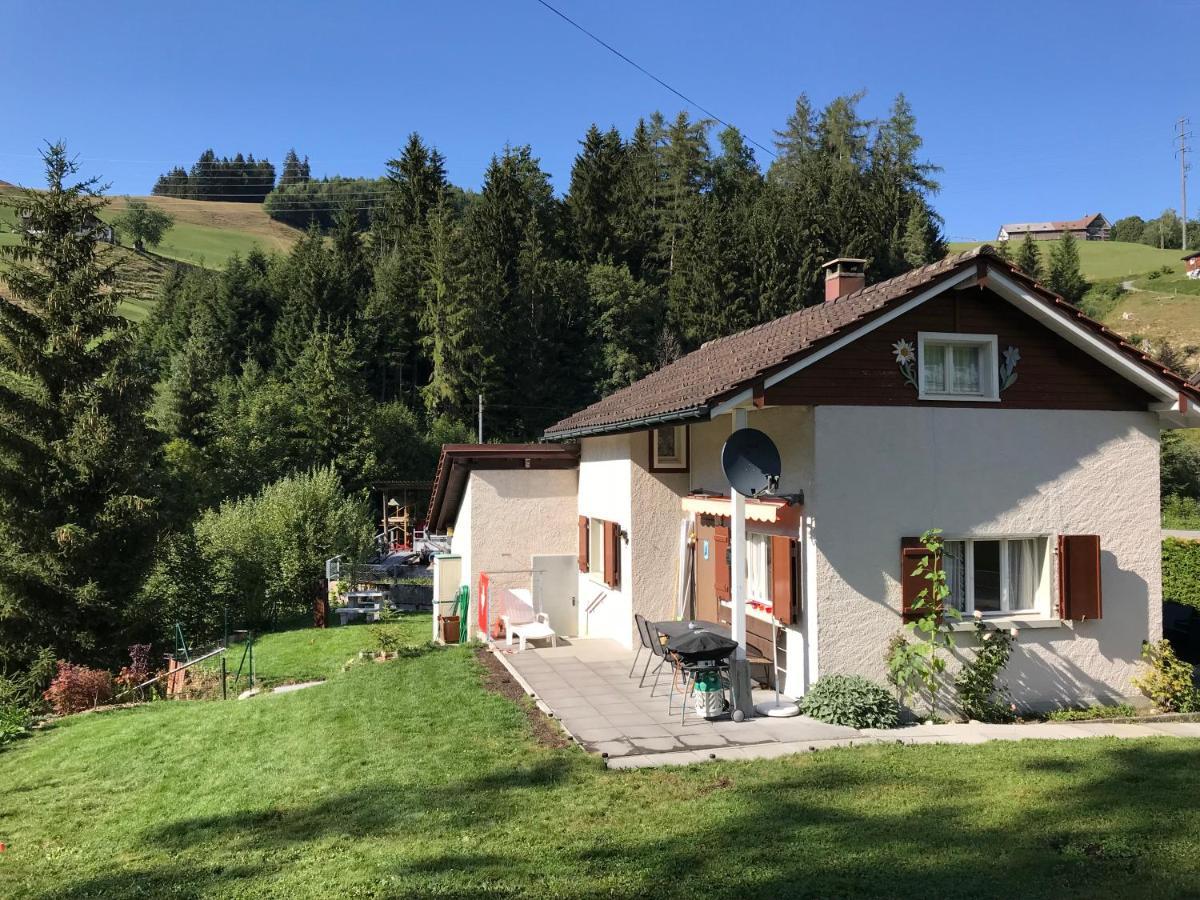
917,249
1063,275
415,181
75,500
1029,258
593,198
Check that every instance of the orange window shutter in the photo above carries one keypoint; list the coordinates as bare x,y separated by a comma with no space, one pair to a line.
1079,588
783,578
912,551
721,570
612,554
583,544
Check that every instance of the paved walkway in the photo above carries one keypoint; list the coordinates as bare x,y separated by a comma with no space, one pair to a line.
586,686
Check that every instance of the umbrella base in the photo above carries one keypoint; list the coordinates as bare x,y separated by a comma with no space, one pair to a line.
777,709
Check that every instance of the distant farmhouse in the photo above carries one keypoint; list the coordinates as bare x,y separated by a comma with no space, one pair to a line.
1089,228
99,230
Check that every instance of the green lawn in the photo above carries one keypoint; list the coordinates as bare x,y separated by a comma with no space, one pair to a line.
1105,259
203,245
406,779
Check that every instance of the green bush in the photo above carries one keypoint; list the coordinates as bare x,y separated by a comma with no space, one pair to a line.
1118,711
14,722
851,700
1181,512
1181,571
975,682
1101,298
261,557
1168,680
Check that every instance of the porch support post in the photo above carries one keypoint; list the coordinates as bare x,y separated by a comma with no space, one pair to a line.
737,555
743,695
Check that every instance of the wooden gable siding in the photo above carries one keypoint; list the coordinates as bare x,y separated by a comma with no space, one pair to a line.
1052,373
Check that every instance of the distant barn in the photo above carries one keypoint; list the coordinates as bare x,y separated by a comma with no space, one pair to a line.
1093,227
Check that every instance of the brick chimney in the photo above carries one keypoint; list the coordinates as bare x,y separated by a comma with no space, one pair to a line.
844,276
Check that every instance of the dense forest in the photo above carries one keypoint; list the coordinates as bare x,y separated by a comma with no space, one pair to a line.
203,464
242,179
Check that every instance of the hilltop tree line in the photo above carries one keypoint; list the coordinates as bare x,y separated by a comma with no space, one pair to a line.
241,179
1165,231
140,465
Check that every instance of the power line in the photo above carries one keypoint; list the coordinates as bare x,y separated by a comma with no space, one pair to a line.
686,99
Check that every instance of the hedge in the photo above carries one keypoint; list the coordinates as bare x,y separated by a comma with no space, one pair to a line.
1181,571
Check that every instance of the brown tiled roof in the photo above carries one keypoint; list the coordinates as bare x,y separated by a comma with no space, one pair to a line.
457,461
690,386
1079,224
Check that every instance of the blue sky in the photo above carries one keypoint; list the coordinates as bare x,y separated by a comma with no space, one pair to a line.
1036,111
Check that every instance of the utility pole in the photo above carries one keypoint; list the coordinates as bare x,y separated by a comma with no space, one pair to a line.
481,418
1182,136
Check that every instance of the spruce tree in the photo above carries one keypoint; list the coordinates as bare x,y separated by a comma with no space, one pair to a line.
1029,258
1063,275
594,194
76,510
916,245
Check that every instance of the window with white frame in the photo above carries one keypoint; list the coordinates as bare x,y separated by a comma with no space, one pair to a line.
596,549
997,576
957,366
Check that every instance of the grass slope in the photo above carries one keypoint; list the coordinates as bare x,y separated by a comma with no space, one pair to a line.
1105,259
205,234
407,779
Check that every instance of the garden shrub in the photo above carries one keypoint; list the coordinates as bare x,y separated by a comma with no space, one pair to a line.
261,557
1181,572
1181,512
975,682
1167,680
851,700
14,722
76,688
1117,711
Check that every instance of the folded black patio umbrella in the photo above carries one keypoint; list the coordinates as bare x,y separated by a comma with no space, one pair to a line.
698,645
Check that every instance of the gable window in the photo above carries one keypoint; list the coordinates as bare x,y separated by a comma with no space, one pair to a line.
997,576
669,449
957,366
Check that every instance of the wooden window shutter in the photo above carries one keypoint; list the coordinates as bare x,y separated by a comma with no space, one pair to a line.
912,551
584,543
1079,576
612,554
784,572
722,577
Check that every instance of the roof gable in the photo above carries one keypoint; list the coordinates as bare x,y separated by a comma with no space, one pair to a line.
698,383
1051,372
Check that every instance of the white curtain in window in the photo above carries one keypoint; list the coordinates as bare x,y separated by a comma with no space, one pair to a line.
1023,573
966,370
954,562
758,567
935,368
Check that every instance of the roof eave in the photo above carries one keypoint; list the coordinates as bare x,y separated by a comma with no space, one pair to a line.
566,434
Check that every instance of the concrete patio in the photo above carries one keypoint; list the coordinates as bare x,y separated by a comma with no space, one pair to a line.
586,686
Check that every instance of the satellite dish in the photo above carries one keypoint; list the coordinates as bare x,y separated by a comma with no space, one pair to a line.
750,461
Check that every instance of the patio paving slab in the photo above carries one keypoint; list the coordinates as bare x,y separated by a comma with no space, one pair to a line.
587,687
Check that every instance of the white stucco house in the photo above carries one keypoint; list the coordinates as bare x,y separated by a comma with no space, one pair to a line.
961,396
